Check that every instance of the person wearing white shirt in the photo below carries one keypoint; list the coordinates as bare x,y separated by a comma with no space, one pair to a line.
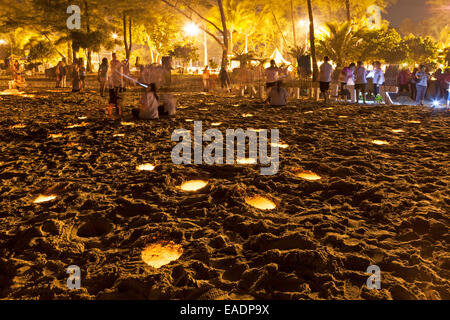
326,69
421,84
378,78
361,81
272,75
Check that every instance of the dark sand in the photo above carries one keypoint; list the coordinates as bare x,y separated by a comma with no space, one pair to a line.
375,204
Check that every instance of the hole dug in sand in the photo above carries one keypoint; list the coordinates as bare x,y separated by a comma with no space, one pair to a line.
145,167
159,254
94,228
306,174
260,202
44,198
193,185
380,142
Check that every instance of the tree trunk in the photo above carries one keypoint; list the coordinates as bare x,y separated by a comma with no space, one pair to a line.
125,41
293,22
347,8
88,30
69,53
312,42
225,35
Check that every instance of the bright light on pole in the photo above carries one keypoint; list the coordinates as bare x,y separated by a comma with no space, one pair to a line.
191,29
115,36
2,41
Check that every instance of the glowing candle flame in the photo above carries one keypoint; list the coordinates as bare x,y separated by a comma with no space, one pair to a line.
260,202
308,175
44,198
193,185
380,142
246,161
146,167
157,255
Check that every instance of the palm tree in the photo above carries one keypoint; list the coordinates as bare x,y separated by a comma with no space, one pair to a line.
341,43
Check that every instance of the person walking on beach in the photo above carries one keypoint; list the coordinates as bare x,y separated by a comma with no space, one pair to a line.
272,75
326,69
103,75
422,84
360,81
378,78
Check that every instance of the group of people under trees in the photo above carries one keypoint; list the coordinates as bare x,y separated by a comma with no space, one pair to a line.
17,72
355,77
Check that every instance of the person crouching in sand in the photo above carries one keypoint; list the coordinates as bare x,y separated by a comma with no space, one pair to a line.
149,104
277,95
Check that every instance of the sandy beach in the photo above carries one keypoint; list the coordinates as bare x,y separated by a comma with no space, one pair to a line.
357,186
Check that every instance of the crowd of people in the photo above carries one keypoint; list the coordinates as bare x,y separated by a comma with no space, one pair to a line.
353,82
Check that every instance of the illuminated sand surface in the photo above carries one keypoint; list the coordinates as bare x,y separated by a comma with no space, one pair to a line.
189,120
256,130
260,202
374,205
309,112
193,185
157,255
127,124
44,198
82,118
414,121
307,175
18,126
247,115
118,135
343,117
55,135
282,121
215,124
80,125
145,167
380,142
397,130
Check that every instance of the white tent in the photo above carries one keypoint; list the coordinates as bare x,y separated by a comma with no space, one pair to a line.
276,55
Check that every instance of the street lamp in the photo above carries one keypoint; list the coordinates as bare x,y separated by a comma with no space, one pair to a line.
2,41
115,36
191,29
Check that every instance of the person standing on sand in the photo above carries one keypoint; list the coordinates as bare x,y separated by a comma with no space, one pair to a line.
58,74
360,81
63,73
403,80
422,84
116,73
412,84
75,77
82,74
224,79
326,69
103,75
378,78
205,77
272,75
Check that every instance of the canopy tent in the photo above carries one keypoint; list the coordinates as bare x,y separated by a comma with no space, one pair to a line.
276,55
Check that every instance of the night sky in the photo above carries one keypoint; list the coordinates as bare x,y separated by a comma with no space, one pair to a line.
416,10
